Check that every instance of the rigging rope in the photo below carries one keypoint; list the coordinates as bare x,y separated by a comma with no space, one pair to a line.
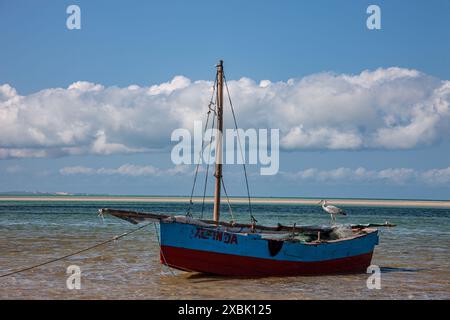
188,213
200,156
252,218
207,165
228,201
74,253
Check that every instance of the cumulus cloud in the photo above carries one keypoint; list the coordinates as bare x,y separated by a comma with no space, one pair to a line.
392,108
397,176
126,170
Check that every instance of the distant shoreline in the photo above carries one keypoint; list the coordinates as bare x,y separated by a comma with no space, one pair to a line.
281,201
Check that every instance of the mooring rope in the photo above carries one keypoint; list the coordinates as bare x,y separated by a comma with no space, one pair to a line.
75,253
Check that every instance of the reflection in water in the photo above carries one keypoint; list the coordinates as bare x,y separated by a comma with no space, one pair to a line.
414,257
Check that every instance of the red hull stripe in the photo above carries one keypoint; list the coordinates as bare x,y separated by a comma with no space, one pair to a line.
235,265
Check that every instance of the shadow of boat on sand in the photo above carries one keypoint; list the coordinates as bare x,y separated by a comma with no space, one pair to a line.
204,277
394,269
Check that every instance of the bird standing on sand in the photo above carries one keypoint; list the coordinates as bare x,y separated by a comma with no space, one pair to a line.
332,210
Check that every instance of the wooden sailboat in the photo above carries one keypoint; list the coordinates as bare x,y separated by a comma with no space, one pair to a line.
233,249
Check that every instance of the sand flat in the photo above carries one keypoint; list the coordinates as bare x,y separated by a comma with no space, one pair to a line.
293,201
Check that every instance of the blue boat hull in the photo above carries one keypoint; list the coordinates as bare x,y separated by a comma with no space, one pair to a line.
201,249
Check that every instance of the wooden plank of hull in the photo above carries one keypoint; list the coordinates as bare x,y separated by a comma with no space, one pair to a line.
236,265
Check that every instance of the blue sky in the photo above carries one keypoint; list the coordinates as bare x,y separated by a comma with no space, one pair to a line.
123,43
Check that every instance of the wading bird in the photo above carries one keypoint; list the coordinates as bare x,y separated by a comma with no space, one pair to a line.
332,210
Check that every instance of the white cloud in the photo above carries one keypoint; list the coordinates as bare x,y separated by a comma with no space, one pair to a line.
76,170
7,92
13,169
391,108
437,176
127,170
6,153
85,86
327,138
341,175
101,146
398,176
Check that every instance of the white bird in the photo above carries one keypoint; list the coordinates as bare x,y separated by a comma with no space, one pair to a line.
332,210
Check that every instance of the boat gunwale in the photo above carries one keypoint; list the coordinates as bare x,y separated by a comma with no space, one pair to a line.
135,217
358,233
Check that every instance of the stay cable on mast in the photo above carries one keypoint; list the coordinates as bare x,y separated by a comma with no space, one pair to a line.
207,165
252,218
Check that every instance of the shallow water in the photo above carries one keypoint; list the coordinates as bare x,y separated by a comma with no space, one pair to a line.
414,257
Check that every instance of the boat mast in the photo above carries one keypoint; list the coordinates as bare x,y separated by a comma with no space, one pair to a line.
218,173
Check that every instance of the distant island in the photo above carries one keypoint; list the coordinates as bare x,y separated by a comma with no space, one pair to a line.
44,193
63,196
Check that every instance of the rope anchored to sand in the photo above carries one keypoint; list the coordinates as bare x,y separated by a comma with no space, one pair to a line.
75,253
